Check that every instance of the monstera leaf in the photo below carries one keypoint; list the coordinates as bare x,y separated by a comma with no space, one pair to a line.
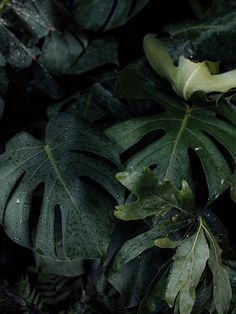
207,131
105,15
75,165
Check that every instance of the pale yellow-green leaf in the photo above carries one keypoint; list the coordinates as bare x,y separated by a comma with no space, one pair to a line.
188,77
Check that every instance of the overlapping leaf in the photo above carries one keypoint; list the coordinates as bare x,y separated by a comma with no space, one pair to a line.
204,130
96,15
153,198
77,54
75,219
212,38
18,39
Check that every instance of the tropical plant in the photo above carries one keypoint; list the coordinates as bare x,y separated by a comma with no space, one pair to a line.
117,157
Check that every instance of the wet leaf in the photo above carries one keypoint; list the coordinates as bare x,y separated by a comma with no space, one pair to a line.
105,15
75,219
202,129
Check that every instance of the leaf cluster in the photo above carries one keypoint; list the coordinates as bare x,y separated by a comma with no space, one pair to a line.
115,166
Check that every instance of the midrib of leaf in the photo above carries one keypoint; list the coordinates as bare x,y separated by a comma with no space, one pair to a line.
181,129
16,40
190,28
191,251
28,16
213,244
190,78
57,172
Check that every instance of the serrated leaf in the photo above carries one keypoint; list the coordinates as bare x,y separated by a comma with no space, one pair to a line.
105,15
222,291
202,129
189,263
66,54
153,197
75,218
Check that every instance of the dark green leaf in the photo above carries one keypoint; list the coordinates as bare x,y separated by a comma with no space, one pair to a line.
37,18
91,104
135,246
210,39
154,300
197,128
66,54
106,14
75,220
133,280
14,51
153,197
72,268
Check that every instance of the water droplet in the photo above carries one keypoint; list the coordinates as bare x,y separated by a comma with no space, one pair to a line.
18,201
222,181
117,195
197,148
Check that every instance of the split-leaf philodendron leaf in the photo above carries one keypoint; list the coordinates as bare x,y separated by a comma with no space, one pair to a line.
187,77
202,129
74,215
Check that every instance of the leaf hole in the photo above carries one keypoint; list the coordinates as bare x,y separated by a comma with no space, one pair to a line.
96,185
223,150
223,118
199,177
36,205
146,140
58,231
152,167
